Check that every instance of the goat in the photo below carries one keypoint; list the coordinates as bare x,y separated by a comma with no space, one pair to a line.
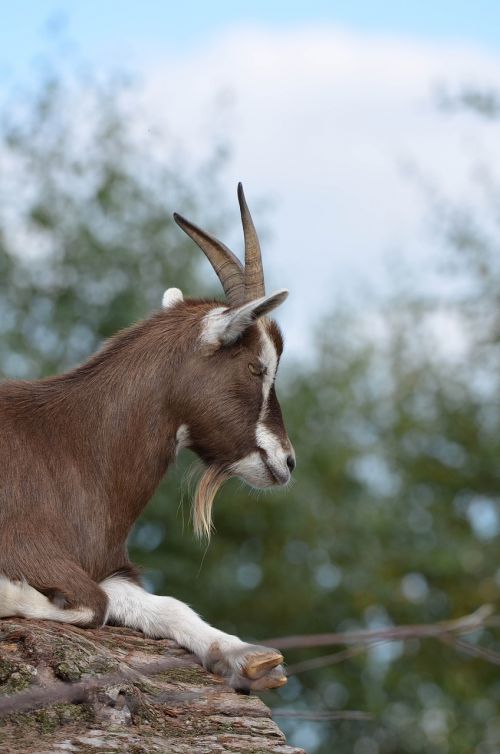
82,453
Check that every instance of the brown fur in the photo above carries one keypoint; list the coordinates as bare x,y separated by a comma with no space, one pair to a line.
82,453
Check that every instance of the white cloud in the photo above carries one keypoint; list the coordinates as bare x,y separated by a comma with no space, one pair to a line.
321,121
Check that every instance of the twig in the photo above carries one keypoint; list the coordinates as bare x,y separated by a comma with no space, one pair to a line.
326,715
327,660
481,653
466,624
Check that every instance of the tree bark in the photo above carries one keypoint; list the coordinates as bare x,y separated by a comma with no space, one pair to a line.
66,689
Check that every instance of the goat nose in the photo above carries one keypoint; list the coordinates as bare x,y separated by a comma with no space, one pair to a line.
290,462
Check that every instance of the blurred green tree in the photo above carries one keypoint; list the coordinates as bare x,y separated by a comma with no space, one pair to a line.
393,516
396,507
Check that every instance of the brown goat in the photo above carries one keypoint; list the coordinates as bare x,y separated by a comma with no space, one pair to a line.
82,453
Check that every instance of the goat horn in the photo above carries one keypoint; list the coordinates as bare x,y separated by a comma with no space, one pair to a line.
254,274
227,266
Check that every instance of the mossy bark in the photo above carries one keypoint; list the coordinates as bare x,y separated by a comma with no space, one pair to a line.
183,710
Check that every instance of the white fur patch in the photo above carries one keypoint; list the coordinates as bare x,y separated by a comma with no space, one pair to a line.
252,470
19,599
182,438
162,617
276,455
171,296
269,359
213,326
271,445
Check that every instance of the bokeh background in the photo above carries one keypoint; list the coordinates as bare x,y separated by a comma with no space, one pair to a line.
367,137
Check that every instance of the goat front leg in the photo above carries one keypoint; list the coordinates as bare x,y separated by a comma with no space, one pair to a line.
245,666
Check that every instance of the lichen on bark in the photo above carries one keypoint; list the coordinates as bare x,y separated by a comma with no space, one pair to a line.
182,710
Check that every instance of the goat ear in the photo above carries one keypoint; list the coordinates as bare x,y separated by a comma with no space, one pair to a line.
225,326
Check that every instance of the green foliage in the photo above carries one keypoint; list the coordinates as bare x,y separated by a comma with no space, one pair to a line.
393,516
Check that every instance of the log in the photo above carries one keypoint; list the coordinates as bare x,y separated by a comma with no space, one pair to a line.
67,689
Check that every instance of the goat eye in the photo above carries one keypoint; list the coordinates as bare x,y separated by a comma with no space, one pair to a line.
257,369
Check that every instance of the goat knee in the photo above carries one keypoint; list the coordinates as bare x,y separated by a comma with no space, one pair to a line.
87,601
74,598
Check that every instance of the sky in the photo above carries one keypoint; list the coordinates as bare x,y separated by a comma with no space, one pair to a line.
330,108
158,24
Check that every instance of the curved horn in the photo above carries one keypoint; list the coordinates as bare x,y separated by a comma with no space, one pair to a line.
254,274
228,268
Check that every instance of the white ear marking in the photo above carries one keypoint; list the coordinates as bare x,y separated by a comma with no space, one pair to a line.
171,296
223,326
213,326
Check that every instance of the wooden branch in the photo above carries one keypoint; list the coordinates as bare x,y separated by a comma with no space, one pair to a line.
63,688
81,692
120,676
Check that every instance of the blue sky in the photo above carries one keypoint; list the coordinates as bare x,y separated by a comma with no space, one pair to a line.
141,28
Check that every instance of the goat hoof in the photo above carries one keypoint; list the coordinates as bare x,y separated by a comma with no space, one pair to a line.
260,663
270,679
248,667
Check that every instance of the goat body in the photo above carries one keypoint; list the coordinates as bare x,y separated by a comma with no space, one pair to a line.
82,453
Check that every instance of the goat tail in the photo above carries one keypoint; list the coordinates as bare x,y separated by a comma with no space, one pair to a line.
209,484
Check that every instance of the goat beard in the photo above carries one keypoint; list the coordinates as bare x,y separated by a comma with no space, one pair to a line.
208,485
